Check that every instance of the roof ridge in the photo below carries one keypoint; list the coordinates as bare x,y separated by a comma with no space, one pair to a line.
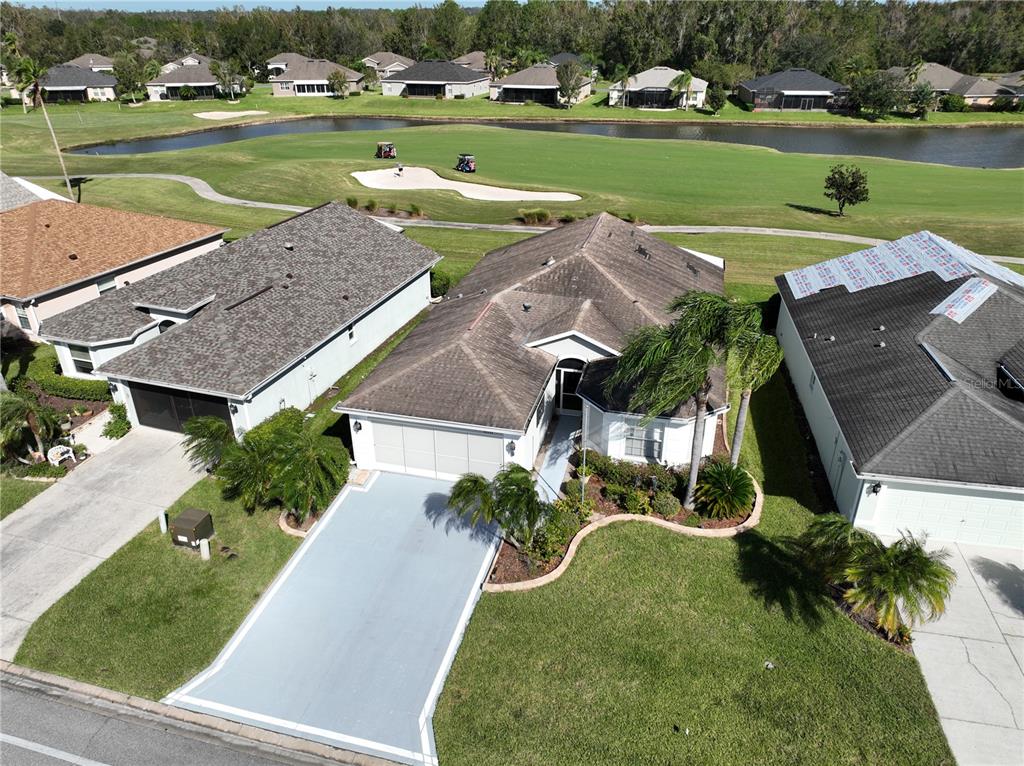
618,286
911,427
496,389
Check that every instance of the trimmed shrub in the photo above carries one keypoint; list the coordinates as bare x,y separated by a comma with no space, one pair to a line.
724,491
118,425
415,210
617,493
440,283
637,501
666,504
371,205
535,215
352,202
953,102
693,520
439,97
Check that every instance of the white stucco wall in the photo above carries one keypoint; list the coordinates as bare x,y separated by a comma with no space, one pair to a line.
392,88
467,89
607,433
155,92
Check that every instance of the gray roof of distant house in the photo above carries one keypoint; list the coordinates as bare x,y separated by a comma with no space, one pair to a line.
437,71
13,194
469,361
536,76
942,78
659,77
313,70
192,74
267,304
87,60
795,79
564,58
474,60
288,58
70,76
1014,80
385,59
899,412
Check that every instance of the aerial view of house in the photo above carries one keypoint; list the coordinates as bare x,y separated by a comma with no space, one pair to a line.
386,63
69,82
978,92
191,72
436,79
538,83
58,255
310,77
658,88
793,88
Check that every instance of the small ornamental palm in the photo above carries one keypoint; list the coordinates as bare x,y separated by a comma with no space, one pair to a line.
22,418
724,491
830,543
311,473
248,471
510,500
206,439
472,495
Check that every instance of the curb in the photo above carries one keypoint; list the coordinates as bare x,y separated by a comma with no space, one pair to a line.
213,725
751,521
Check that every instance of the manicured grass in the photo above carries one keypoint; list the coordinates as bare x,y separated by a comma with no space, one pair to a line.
651,650
14,493
153,615
23,361
462,248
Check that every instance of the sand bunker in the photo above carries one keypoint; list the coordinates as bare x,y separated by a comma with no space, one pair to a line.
226,115
424,178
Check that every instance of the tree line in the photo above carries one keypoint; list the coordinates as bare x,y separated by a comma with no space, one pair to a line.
719,40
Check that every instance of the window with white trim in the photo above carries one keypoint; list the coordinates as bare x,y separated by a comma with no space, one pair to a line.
106,284
23,320
82,358
644,442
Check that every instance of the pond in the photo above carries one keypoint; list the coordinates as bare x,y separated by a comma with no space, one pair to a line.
987,147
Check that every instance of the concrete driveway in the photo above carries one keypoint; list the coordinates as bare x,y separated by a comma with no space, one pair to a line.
351,644
972,657
48,545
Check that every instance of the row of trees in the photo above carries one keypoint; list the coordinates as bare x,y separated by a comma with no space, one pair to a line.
720,41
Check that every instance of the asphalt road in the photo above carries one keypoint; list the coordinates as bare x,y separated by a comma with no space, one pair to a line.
40,726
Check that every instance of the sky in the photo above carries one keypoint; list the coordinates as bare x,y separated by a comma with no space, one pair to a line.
211,5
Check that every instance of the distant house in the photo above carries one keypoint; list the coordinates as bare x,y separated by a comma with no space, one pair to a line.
434,79
280,63
58,255
193,71
93,61
267,322
386,63
978,92
476,60
908,360
652,89
67,82
538,83
565,58
310,78
791,89
1014,81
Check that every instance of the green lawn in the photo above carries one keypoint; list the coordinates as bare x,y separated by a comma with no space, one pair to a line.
153,615
651,650
461,248
14,493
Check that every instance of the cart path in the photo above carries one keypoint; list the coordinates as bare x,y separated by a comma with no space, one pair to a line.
204,190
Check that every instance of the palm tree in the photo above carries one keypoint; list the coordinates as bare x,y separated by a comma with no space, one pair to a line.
829,544
311,474
30,75
18,415
621,74
492,61
206,439
222,74
666,365
681,84
757,358
248,471
150,71
510,500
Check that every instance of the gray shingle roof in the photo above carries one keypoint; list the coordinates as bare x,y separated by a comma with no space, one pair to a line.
474,60
659,77
469,362
591,387
191,74
268,304
564,57
942,78
70,76
314,70
898,410
795,79
13,194
437,71
288,58
385,59
536,76
87,60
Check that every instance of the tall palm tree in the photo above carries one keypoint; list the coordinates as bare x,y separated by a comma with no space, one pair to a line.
30,76
621,75
21,417
681,85
510,500
150,71
492,61
311,474
666,365
757,357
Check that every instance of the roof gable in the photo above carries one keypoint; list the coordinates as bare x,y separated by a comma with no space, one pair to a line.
794,79
437,71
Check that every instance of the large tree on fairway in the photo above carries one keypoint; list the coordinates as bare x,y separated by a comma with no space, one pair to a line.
847,185
29,76
756,358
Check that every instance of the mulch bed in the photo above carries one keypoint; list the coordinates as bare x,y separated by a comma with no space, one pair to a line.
304,527
63,405
513,566
866,621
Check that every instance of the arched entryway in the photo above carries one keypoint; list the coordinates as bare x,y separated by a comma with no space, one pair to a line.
567,376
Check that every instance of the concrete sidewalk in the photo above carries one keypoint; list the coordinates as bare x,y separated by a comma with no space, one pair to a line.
48,545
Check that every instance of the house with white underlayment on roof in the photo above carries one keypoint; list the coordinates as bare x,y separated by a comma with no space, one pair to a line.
908,359
267,322
530,336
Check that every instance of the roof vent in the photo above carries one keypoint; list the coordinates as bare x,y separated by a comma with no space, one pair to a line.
880,344
73,256
831,338
289,245
289,275
643,251
344,297
549,262
527,306
880,328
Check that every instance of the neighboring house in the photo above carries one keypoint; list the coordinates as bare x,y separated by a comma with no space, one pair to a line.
386,63
652,89
66,82
791,89
279,64
908,359
58,255
1014,81
436,78
94,62
15,192
476,384
538,83
978,92
192,70
565,58
476,60
267,322
309,78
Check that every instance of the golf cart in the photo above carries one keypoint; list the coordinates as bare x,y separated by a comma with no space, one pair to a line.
466,163
386,150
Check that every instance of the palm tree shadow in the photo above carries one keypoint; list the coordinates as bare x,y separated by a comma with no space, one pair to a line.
436,509
776,575
1008,580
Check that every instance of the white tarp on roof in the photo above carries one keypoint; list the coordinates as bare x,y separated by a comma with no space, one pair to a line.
965,299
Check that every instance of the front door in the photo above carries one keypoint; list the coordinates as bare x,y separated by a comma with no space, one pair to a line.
567,377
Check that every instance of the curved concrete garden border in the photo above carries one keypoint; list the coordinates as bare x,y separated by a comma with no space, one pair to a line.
282,522
750,522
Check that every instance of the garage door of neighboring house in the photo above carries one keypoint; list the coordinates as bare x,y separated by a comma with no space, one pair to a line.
436,452
168,408
954,518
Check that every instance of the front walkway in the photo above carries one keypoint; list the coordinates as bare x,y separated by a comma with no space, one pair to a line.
553,462
65,532
972,657
351,644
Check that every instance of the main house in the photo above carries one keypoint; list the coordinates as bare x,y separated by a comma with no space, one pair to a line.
192,72
978,92
310,77
386,63
653,89
908,359
68,82
530,336
436,79
267,322
58,255
538,83
794,88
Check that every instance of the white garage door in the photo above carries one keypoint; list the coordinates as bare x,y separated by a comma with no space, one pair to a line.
436,452
997,519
